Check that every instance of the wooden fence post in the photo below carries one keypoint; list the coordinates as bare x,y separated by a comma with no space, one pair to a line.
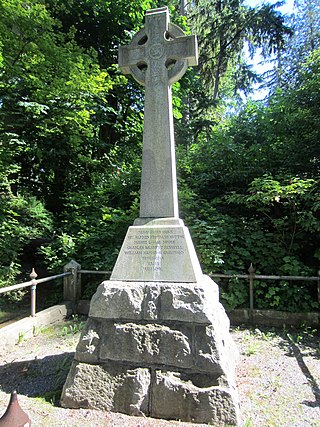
251,278
72,283
319,286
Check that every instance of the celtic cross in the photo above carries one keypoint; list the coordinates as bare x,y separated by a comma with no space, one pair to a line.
157,57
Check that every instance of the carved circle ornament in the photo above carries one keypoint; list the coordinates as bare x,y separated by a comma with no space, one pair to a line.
156,51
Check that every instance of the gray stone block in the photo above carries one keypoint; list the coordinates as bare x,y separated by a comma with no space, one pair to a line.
157,252
175,396
88,347
147,344
118,300
192,303
107,387
215,350
180,302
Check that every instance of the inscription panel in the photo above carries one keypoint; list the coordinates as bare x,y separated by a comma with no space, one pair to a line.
156,253
153,246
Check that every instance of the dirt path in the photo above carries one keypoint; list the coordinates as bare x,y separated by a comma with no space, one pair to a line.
278,378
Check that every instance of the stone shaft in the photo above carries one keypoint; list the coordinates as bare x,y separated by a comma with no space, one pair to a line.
157,57
159,197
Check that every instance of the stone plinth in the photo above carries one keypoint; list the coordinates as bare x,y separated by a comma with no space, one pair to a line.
158,349
161,250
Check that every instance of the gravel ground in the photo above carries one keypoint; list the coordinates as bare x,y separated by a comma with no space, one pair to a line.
278,379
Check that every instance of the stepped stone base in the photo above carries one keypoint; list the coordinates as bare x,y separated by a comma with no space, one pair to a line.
156,349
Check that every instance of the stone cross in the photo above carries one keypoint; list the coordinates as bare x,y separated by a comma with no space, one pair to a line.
157,57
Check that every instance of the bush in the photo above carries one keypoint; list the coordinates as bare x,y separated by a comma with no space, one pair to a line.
22,218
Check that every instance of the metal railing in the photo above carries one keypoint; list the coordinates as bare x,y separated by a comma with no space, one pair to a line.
72,283
33,287
251,276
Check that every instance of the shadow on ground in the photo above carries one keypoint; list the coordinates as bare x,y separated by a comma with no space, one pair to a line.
299,347
38,377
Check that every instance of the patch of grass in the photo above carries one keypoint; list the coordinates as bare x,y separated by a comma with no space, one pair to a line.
251,344
255,372
21,337
305,335
50,398
70,327
37,330
73,326
307,339
251,349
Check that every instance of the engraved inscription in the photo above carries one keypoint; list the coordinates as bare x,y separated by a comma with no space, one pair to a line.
154,247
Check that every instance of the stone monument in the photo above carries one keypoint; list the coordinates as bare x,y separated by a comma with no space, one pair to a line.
157,340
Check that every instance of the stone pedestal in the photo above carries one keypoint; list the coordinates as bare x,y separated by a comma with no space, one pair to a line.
156,349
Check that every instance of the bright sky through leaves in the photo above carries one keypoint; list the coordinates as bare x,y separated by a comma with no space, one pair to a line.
257,61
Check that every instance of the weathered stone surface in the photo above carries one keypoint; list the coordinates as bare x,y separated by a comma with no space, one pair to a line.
88,347
180,326
179,302
110,388
151,303
147,344
174,396
118,300
201,348
195,303
215,350
153,253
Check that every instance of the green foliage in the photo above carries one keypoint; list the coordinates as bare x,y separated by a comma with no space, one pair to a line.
59,252
209,242
21,220
290,209
256,174
71,129
94,233
51,92
224,29
61,137
227,244
235,293
305,40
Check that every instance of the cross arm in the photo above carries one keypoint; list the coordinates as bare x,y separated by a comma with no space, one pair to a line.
184,48
130,56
